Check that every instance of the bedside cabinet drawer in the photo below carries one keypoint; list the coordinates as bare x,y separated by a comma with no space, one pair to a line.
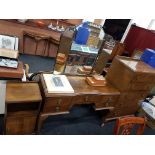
54,105
20,125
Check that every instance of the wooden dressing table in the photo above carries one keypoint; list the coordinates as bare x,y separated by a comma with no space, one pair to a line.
54,104
128,82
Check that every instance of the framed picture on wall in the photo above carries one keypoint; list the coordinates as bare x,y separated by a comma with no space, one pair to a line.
8,42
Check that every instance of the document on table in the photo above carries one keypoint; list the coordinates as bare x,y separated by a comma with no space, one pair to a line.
57,84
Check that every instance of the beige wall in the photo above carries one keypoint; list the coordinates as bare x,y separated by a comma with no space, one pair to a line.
98,21
75,21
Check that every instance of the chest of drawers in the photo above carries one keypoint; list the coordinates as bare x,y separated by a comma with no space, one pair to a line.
134,79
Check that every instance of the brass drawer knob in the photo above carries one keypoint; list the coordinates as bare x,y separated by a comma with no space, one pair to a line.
59,102
116,113
107,104
57,109
86,99
109,99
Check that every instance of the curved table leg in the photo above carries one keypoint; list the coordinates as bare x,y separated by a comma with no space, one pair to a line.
40,122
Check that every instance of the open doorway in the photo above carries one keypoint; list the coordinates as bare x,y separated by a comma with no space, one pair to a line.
116,27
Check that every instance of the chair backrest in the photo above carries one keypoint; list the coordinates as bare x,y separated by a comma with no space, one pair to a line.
125,125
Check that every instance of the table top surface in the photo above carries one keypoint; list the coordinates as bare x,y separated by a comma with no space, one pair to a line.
81,87
136,65
19,92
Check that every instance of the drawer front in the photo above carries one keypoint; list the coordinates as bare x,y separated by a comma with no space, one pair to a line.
144,78
107,101
84,99
20,125
54,105
140,86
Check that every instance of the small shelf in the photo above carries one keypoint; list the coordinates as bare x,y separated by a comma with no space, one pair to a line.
22,113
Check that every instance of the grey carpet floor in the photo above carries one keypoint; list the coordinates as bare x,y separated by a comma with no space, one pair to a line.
37,63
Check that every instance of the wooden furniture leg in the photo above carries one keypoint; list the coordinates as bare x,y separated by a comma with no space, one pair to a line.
40,122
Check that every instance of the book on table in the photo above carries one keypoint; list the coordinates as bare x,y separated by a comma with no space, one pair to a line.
8,58
9,53
57,84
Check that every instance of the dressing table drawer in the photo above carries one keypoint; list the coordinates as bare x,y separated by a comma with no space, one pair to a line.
107,101
54,105
85,99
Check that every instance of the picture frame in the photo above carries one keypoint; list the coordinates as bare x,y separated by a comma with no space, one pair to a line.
9,42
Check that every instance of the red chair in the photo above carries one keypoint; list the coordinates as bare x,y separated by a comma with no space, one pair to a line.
125,125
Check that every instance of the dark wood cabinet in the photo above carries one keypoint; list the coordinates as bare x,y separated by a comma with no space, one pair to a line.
28,45
134,79
23,101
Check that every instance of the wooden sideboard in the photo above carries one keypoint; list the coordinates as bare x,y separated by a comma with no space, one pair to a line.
54,104
28,44
8,27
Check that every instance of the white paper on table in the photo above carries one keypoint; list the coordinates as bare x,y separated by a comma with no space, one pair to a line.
57,84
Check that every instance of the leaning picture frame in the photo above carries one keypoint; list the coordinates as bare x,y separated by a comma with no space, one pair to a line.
9,42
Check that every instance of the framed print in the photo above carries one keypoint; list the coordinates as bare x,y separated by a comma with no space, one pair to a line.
8,42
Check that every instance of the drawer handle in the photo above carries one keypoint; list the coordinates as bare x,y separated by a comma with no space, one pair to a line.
86,98
107,104
57,109
115,114
110,99
59,102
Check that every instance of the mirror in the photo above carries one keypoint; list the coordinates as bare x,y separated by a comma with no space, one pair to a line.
78,59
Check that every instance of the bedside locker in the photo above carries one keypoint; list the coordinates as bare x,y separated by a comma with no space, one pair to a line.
23,101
